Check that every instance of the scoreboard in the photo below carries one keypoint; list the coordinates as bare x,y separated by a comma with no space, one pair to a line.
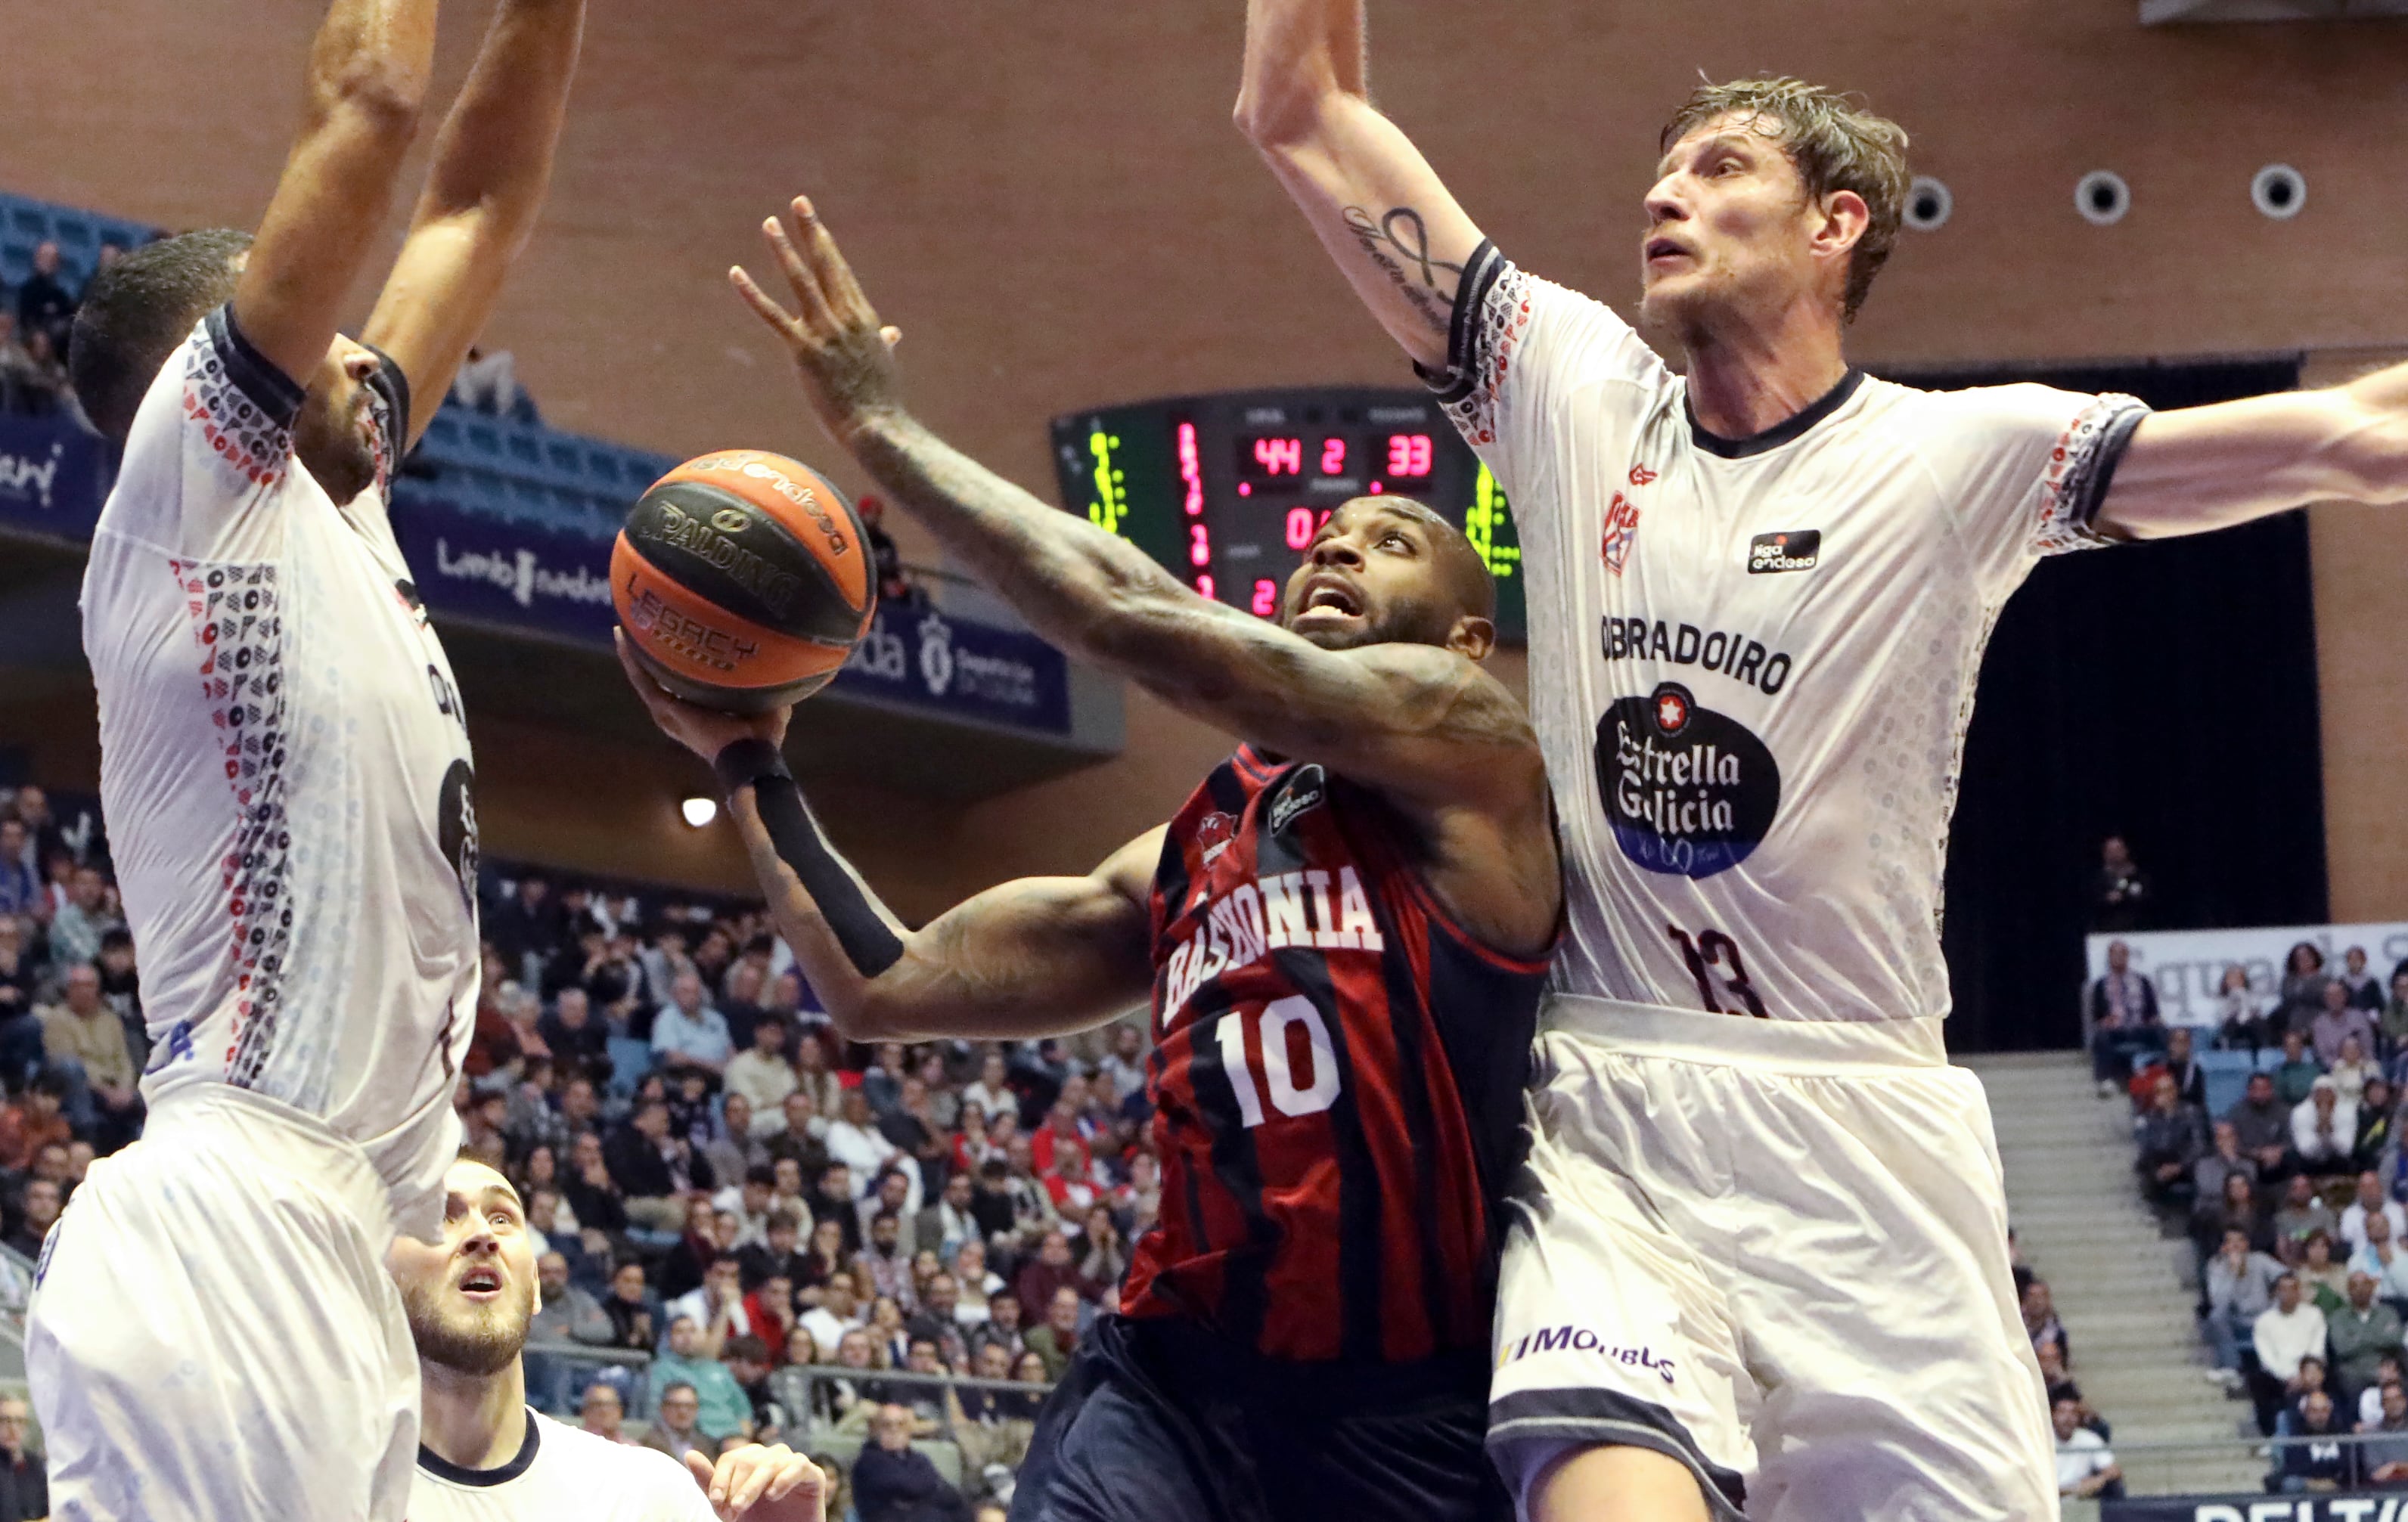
1227,490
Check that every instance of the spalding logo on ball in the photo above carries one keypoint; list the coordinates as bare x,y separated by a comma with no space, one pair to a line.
742,582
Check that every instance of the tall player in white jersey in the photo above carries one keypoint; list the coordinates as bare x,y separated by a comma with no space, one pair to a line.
1764,1261
287,780
486,1455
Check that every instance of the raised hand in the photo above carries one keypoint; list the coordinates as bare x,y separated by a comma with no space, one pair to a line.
844,356
706,732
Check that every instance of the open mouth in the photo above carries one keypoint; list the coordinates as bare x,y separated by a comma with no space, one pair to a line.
483,1282
1658,249
1329,596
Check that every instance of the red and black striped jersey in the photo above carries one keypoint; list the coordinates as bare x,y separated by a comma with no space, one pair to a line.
1337,1078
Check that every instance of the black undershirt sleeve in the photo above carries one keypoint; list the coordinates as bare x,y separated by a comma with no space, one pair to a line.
868,942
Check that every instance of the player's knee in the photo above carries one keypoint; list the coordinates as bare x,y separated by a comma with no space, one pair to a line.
1616,1485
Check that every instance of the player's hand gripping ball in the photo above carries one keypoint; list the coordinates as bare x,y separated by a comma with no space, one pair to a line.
742,582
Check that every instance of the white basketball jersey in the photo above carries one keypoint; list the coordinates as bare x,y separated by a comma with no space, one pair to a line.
562,1473
284,770
1752,662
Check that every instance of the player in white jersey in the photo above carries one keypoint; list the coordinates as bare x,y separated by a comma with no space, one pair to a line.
287,781
486,1455
1764,1260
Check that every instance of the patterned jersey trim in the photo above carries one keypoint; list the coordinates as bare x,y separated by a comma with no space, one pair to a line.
243,404
2080,469
1492,309
238,634
389,404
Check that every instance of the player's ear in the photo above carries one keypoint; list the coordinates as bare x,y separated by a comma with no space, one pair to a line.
1846,216
1472,638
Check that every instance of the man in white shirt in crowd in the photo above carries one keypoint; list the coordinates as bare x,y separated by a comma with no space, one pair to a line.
2371,1203
854,1140
687,1033
716,1305
485,1456
2291,1329
992,1094
763,1075
2086,1469
837,1313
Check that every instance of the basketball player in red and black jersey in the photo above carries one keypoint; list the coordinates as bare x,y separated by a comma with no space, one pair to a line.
1343,933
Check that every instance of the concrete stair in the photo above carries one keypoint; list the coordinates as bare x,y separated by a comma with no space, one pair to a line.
2121,1287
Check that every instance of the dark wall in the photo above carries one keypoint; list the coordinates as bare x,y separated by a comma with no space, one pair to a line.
2166,692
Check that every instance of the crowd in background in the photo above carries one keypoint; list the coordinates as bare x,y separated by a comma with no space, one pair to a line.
36,317
2291,1197
793,1237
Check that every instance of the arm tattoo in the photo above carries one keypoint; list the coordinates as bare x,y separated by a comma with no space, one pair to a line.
1384,240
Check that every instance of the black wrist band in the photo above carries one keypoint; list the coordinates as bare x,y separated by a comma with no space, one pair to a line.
743,762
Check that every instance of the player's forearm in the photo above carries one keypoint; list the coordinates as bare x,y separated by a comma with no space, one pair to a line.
835,972
492,160
1080,587
1299,54
372,59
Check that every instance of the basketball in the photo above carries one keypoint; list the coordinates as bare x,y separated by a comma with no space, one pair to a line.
742,580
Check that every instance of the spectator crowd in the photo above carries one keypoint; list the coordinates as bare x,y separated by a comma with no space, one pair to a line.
35,318
746,1227
2291,1197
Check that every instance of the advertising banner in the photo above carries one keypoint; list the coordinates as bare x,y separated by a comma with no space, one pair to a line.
2326,1506
54,475
2187,966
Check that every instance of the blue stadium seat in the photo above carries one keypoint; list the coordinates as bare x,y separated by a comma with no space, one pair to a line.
2226,1074
28,221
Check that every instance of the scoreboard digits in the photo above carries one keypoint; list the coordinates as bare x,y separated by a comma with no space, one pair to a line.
1225,492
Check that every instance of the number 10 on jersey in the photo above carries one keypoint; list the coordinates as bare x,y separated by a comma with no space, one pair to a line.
1293,1090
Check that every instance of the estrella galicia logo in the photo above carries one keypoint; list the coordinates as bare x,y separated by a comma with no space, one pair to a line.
1688,791
1795,550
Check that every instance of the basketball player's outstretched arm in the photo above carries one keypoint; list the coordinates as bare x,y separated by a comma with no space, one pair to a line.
359,109
2199,468
493,164
1374,202
1041,957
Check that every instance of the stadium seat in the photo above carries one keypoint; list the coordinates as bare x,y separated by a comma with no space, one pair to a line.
630,1061
2226,1074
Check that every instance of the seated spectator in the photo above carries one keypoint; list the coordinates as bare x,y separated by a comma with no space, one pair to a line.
2263,1124
1058,1337
715,1306
885,560
2383,1457
2040,1318
890,1194
990,1431
591,1193
25,1488
85,1042
978,1283
2190,1078
893,1481
2382,1259
2085,1469
882,1264
1103,1256
2301,1215
2370,1400
764,1077
823,1259
602,1413
748,1366
723,1411
2324,1130
564,1312
991,1096
2295,1075
652,1169
1052,1269
778,1254
2370,1201
801,1138
886,1327
44,1199
2170,1141
88,914
1002,1325
791,1382
2313,1458
2365,992
634,1314
833,1198
2374,1122
2303,989
45,306
913,1126
2336,1022
2124,1023
688,1034
2239,1016
813,1074
948,1223
2288,1333
2393,1023
2223,1161
488,382
2240,1290
939,1320
769,1308
837,1313
2361,1333
2324,1277
678,1432
854,1140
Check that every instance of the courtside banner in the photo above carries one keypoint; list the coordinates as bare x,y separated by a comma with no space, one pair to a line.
54,475
2187,966
2329,1507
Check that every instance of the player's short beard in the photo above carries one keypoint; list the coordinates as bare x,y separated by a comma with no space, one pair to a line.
329,443
480,1339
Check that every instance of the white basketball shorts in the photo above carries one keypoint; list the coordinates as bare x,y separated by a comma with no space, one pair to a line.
213,1336
1776,1252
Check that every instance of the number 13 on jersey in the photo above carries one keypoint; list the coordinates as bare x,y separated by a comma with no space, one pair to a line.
1713,961
1293,1090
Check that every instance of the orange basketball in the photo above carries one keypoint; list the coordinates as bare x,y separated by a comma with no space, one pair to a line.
742,582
